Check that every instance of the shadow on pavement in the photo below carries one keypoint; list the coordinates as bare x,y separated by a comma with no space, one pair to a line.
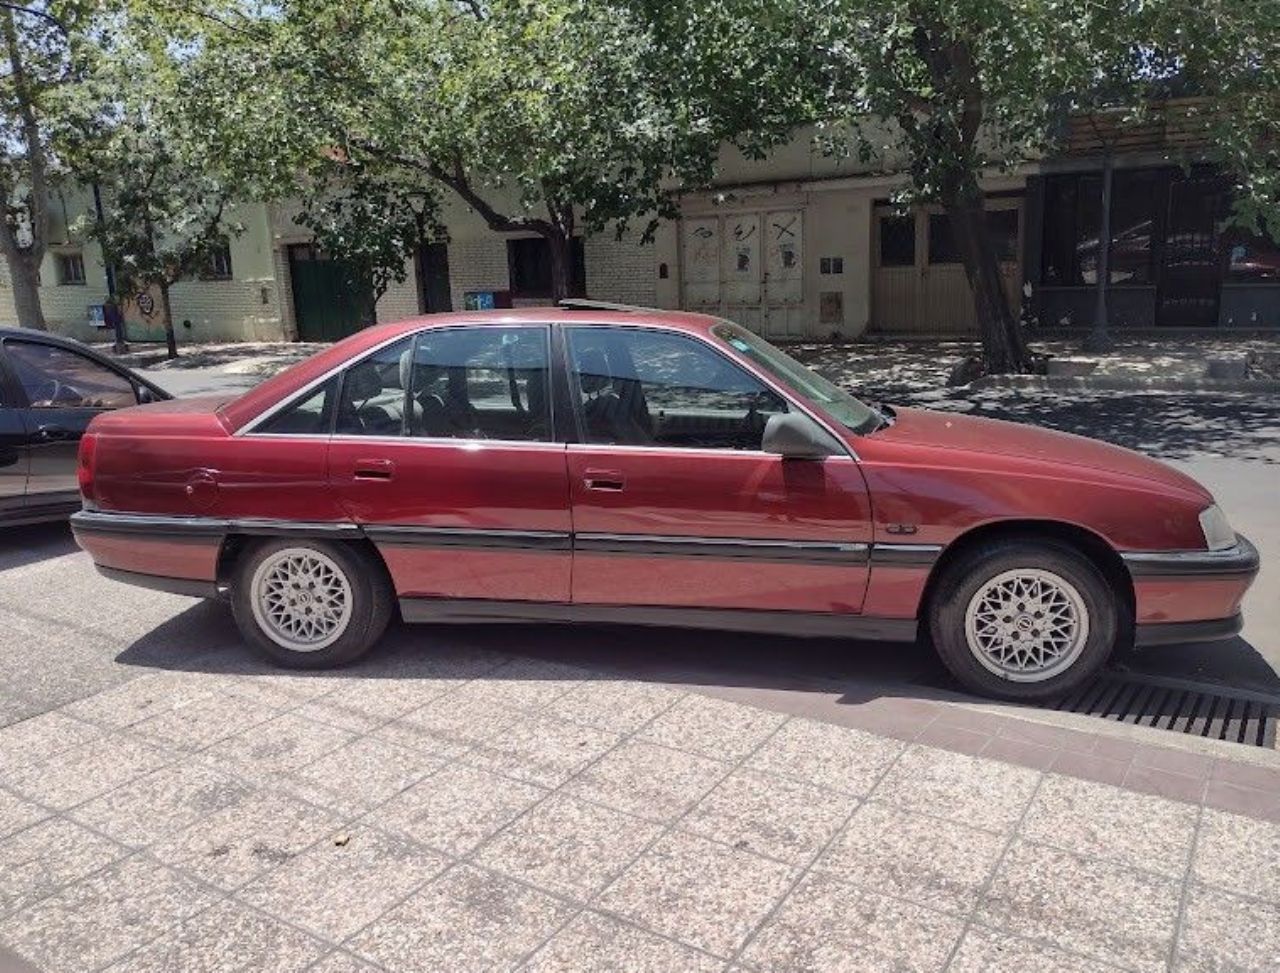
35,542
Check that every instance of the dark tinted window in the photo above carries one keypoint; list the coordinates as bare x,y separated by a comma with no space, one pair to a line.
480,383
58,378
309,416
1073,228
654,388
897,241
529,264
1002,227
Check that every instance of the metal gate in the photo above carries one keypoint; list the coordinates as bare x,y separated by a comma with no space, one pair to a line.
748,267
328,303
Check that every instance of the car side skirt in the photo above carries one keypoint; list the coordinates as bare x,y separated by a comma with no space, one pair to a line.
1178,633
806,624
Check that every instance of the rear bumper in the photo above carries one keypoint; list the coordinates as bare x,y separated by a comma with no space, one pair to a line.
1178,633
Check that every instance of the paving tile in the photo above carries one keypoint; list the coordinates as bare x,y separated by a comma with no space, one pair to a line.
140,699
15,707
593,943
1097,909
981,793
238,843
770,815
617,705
1223,933
466,920
83,772
228,938
16,813
1255,802
984,951
1055,737
342,962
526,683
39,738
648,781
1174,761
343,882
282,745
456,808
954,738
362,704
450,725
1247,775
38,860
1165,783
567,846
699,892
1109,823
542,750
1239,854
829,926
829,756
99,920
367,771
935,863
713,727
203,721
1020,752
1092,766
146,809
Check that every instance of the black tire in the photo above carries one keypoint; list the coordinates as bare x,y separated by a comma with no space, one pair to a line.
972,570
371,603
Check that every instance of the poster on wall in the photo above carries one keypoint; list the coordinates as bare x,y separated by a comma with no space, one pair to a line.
741,259
701,257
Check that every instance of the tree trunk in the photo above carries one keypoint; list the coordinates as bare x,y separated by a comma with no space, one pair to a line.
166,316
1004,349
561,266
1099,338
23,278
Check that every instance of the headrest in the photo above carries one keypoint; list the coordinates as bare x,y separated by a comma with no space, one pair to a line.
363,382
593,371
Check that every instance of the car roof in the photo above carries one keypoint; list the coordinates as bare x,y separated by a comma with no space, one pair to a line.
257,400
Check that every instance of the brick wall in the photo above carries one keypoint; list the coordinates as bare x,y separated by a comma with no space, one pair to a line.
621,271
478,264
401,299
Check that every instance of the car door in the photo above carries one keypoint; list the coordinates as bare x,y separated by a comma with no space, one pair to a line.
444,451
675,504
63,390
14,458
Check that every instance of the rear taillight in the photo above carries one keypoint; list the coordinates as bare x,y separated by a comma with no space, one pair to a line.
84,466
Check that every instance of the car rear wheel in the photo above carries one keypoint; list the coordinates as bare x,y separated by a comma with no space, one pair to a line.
1023,620
310,604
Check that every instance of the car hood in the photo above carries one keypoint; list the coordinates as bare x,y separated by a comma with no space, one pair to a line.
922,427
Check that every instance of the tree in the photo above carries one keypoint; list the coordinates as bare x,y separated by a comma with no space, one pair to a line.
37,99
544,117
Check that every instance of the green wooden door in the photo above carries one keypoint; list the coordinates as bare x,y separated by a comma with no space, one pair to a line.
327,303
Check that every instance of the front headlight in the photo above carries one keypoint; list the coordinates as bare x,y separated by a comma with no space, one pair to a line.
1217,529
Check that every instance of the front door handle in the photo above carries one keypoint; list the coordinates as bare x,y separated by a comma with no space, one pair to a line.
374,469
608,480
53,434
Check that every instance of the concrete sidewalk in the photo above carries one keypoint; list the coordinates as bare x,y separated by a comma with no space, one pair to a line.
467,809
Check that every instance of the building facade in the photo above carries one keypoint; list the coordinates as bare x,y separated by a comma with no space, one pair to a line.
796,246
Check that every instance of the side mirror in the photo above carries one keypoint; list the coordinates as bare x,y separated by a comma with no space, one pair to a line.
793,435
145,395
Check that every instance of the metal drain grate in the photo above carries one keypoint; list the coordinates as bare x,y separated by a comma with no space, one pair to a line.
1238,717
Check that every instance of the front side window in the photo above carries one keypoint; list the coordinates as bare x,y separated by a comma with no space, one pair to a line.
479,383
655,388
372,400
843,407
59,378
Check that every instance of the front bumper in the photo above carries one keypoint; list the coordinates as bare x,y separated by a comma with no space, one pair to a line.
1190,596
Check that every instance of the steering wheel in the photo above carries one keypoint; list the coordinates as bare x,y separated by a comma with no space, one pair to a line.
55,392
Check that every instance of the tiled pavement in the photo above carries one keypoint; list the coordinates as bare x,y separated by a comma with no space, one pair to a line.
461,809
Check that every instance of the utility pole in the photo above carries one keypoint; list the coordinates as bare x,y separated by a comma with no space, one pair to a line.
117,323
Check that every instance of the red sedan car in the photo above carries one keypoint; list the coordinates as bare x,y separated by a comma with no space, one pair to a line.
605,464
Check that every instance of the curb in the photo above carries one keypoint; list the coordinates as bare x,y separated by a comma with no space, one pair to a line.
1124,384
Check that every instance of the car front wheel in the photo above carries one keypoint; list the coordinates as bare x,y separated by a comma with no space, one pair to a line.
1023,620
310,604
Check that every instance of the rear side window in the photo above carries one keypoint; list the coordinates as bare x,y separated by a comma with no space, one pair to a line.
309,416
59,378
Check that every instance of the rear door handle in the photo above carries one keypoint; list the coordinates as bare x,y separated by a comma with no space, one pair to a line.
53,433
374,469
608,480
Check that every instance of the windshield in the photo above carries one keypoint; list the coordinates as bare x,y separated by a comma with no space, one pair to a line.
843,407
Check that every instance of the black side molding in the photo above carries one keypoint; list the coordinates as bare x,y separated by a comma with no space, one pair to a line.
175,586
1176,633
807,624
1239,559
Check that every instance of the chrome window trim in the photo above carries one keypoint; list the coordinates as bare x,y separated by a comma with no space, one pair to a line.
249,428
768,382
